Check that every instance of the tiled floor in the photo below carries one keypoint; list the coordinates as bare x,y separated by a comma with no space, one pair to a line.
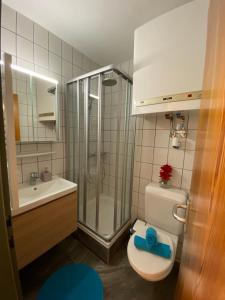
120,281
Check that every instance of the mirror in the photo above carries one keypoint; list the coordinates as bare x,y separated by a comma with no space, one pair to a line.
22,104
44,95
36,108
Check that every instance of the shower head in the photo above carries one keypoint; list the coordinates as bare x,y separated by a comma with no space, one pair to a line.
109,80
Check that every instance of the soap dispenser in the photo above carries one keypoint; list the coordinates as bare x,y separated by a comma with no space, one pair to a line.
46,175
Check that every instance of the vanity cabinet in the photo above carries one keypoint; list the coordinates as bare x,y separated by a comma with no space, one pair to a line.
41,228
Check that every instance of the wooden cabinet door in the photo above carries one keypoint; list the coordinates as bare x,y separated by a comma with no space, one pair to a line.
202,273
41,228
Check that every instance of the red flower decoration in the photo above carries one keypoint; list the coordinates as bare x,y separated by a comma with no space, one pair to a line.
166,172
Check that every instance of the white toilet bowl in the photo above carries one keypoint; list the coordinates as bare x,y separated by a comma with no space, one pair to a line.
159,205
147,265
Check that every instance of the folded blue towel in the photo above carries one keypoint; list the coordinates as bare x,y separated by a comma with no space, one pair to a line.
160,249
151,237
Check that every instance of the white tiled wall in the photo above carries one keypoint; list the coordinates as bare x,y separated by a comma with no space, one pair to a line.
35,48
153,149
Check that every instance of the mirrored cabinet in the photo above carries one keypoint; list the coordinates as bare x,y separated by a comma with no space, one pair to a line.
35,106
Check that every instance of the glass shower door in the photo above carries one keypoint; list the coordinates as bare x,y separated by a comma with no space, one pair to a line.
88,102
100,150
92,151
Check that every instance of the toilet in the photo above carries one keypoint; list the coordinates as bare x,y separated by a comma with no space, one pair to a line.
159,203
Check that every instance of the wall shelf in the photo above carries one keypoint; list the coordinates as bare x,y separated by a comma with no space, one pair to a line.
36,154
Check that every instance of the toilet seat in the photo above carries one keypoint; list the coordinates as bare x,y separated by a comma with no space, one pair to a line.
149,266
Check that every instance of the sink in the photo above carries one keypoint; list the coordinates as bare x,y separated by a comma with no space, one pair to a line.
43,192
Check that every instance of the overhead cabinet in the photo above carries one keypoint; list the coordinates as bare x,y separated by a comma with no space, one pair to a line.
169,55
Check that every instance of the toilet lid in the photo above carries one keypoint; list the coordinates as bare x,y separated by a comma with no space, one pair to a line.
151,267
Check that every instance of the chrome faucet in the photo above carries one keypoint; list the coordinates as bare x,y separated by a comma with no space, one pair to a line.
33,178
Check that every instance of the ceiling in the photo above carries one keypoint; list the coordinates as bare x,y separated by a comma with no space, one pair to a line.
101,29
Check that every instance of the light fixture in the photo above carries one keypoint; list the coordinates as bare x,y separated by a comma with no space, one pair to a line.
31,73
34,74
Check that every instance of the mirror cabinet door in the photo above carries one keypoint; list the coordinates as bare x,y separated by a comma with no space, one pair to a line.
22,107
45,110
35,108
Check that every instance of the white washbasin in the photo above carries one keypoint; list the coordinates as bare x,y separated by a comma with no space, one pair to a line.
43,192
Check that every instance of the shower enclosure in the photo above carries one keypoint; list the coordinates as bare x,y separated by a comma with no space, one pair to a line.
100,146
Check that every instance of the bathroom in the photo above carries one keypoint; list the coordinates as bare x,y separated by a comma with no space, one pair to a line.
112,149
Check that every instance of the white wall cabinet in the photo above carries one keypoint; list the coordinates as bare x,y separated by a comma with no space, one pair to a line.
169,55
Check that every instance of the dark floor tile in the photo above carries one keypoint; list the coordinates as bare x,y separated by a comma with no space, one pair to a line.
119,279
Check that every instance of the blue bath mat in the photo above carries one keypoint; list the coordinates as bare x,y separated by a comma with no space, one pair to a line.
72,282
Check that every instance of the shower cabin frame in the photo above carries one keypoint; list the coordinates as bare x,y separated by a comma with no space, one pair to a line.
86,78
